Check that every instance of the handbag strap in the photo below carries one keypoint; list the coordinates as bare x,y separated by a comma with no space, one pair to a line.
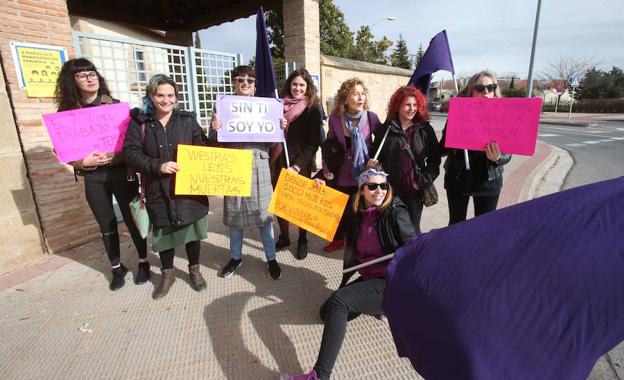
140,176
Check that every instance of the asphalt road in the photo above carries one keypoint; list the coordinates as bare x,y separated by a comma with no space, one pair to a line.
598,152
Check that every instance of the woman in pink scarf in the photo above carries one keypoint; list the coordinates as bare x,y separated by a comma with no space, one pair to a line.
303,137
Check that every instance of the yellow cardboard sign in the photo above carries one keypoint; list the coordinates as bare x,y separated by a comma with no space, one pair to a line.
40,69
316,209
213,171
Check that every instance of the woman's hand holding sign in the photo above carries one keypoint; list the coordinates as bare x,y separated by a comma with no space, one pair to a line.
95,158
492,151
169,167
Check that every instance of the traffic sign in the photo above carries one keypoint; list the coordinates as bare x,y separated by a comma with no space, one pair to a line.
574,82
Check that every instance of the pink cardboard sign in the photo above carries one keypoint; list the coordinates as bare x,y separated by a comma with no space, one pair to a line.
77,133
511,122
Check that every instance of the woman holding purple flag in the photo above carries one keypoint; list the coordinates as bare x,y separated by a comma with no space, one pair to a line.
407,148
302,111
244,212
351,125
484,178
80,85
378,224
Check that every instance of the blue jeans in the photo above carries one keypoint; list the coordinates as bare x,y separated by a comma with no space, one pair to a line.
266,234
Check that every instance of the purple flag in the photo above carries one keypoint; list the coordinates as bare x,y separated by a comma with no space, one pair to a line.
265,76
437,57
531,291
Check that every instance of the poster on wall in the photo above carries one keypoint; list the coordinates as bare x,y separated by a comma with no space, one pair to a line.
37,67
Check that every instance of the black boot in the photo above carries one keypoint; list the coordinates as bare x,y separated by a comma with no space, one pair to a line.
143,273
302,250
118,277
282,242
197,280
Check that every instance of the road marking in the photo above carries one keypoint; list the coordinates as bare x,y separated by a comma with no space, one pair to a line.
620,129
548,135
591,142
607,140
574,144
617,138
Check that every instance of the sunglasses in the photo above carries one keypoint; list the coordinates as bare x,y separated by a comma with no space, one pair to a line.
241,80
374,186
84,76
481,87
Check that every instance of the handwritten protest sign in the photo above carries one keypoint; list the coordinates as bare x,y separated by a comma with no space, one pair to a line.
245,118
511,122
316,209
213,171
77,133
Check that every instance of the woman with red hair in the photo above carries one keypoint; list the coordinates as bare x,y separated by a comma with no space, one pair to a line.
408,148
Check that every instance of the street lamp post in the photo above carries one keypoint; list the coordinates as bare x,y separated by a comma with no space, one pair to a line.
388,18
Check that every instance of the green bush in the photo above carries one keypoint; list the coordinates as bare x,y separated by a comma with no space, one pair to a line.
589,106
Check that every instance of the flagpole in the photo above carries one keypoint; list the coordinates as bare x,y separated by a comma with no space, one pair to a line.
375,261
284,142
466,160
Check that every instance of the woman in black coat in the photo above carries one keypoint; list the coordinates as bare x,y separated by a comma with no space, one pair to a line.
151,148
409,150
379,224
80,85
302,111
484,180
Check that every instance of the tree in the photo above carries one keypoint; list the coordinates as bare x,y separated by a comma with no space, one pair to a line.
419,54
336,37
598,84
369,50
566,67
400,55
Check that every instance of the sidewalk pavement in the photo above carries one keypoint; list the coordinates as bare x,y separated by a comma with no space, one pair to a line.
60,321
579,119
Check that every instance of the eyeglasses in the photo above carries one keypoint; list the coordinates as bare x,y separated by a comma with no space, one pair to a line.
374,186
241,80
84,76
481,87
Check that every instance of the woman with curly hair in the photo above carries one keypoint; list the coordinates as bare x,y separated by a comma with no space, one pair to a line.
408,148
80,85
351,125
302,110
484,178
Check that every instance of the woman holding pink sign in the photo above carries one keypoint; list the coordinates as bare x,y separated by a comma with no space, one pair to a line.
302,111
151,148
80,85
483,179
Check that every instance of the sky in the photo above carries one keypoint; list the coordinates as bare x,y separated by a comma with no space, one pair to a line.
483,34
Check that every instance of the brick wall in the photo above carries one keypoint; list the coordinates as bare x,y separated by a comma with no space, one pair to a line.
66,219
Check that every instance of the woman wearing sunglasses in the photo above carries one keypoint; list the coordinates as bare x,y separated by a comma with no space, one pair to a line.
244,212
80,85
379,224
408,148
302,110
484,180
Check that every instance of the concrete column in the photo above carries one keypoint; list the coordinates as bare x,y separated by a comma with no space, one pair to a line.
302,42
21,241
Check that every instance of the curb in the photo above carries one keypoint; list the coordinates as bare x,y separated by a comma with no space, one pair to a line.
569,123
535,177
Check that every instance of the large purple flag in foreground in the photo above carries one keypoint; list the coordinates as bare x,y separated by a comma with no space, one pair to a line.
265,76
437,57
533,291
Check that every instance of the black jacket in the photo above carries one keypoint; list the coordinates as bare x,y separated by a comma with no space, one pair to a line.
303,140
394,229
484,177
426,152
159,146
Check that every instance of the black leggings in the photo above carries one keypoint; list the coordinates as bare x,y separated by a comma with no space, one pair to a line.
192,252
358,297
100,186
458,205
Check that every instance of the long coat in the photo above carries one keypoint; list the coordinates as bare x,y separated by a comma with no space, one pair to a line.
251,211
159,146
